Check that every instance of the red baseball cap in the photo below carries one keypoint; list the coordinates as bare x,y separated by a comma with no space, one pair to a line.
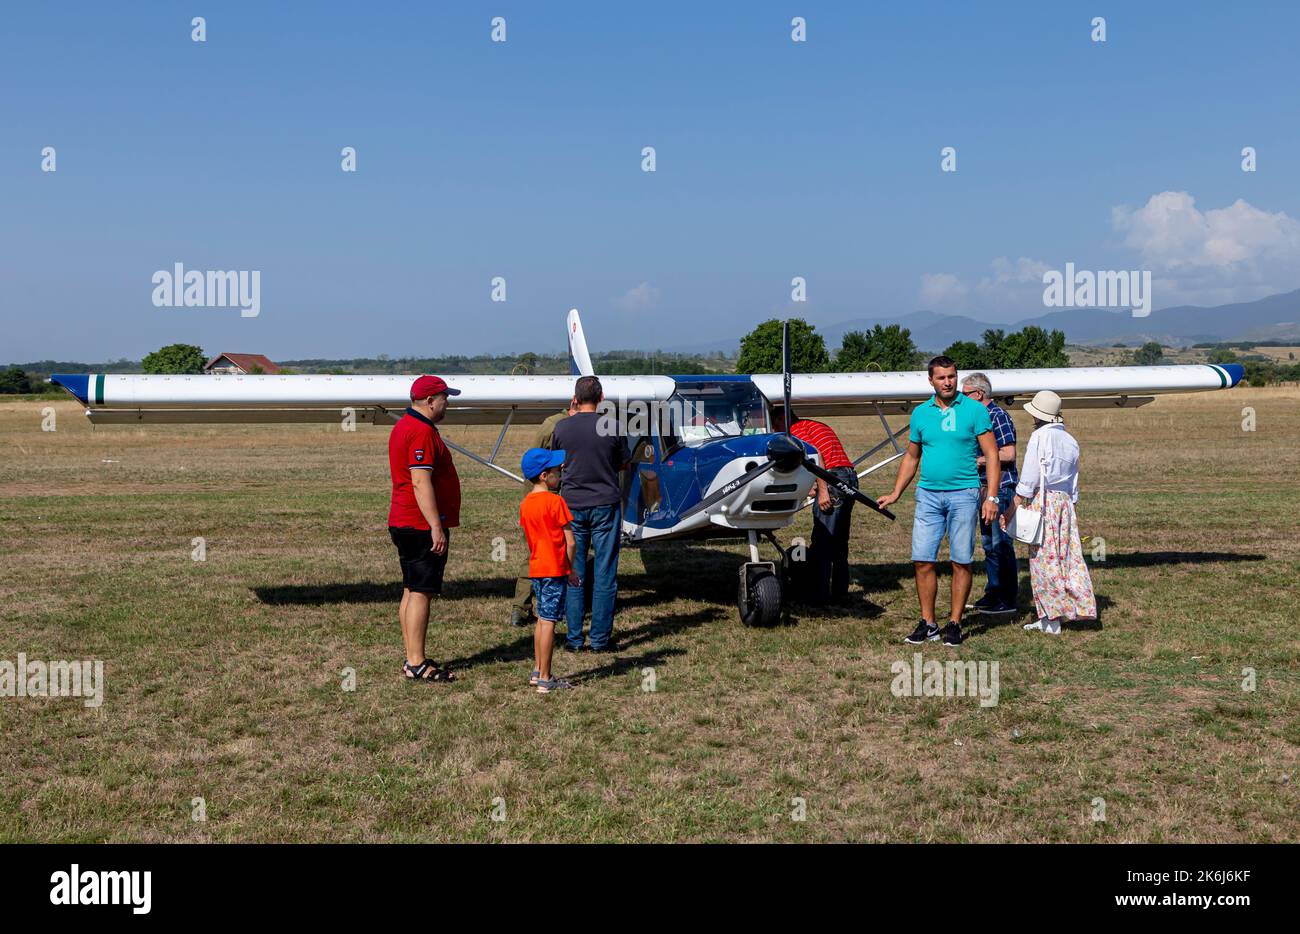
426,386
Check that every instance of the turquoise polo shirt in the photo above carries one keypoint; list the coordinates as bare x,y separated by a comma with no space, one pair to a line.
947,440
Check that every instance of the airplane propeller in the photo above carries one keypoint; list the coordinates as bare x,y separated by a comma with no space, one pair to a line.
785,452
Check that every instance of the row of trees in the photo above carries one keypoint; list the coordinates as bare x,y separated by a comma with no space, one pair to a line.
890,347
14,380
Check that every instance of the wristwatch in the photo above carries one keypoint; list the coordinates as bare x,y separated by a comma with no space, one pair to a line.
991,499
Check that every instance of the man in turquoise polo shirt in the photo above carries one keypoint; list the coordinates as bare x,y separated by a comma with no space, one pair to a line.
947,434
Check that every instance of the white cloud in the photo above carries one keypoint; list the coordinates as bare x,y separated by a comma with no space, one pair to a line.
940,290
1170,233
643,297
1012,289
1232,254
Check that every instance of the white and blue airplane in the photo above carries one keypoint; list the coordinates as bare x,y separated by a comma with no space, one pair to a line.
699,443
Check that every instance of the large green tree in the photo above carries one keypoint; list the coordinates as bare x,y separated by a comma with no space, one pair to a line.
175,358
14,380
881,348
760,349
1030,348
968,356
1149,354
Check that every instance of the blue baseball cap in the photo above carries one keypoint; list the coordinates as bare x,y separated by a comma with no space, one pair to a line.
535,460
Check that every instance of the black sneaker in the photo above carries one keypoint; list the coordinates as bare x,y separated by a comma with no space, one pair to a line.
951,634
924,632
983,604
994,609
574,651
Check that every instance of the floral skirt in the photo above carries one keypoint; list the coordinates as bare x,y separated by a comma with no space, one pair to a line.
1061,582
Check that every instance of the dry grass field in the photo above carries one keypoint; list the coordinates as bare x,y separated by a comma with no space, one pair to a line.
224,677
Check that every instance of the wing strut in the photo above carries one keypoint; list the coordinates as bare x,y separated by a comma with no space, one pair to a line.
482,460
501,437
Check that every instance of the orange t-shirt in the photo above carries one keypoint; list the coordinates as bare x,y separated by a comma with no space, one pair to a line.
544,515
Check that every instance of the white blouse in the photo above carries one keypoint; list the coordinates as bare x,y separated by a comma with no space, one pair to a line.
1060,455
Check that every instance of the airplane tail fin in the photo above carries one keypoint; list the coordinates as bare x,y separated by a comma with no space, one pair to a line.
579,358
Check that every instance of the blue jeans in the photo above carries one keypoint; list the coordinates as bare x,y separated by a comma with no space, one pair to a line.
1000,555
955,513
599,528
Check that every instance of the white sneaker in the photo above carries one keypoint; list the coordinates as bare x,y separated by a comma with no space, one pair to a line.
1052,627
1035,626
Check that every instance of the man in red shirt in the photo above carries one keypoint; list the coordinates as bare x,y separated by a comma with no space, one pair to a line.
829,551
425,508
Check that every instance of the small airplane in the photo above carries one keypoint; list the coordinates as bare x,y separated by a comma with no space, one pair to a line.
698,443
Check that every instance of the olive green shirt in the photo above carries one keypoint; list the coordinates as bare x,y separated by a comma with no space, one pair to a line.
546,431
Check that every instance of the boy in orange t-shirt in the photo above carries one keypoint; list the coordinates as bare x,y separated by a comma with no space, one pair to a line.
546,520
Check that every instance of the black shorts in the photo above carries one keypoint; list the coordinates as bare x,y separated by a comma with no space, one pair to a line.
421,568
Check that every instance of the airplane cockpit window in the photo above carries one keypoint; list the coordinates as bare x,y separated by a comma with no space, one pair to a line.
702,411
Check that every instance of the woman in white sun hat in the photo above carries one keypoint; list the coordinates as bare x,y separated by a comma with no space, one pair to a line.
1049,481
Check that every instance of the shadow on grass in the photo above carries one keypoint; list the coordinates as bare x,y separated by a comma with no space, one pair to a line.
975,623
695,572
622,665
521,649
372,592
1150,559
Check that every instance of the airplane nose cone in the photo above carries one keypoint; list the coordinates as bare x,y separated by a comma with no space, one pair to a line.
786,452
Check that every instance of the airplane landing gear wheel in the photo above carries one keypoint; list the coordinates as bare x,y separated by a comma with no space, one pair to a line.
760,598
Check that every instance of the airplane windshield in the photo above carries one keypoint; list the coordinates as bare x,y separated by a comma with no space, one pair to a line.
704,410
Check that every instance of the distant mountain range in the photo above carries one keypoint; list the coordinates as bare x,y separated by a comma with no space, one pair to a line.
1276,317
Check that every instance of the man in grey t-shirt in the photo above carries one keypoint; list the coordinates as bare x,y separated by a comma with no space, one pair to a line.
592,463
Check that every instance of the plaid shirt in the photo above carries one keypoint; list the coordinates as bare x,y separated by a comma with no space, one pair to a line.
1004,433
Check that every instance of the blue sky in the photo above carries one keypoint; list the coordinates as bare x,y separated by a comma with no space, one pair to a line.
522,159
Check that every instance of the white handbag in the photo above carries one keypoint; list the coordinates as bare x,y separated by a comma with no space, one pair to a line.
1026,524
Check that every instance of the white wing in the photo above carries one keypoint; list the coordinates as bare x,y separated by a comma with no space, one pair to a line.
111,398
487,400
851,393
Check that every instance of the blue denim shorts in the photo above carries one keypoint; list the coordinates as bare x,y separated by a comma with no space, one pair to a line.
954,513
548,597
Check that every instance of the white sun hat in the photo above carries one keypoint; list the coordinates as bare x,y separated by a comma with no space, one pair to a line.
1045,406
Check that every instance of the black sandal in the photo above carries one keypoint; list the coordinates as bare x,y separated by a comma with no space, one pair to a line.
421,672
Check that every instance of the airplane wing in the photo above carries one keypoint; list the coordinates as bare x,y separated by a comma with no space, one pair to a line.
484,400
490,400
815,394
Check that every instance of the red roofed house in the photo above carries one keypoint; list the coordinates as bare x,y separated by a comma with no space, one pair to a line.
240,364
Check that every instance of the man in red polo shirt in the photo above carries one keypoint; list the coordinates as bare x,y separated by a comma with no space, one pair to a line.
425,508
829,551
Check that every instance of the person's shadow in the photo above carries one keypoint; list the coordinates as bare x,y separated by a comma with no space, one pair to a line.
521,649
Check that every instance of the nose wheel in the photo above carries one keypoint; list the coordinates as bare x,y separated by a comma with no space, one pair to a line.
762,585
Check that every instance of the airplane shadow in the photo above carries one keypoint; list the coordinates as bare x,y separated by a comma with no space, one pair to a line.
675,570
696,572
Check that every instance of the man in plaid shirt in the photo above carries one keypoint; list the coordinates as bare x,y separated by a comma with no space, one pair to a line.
1001,591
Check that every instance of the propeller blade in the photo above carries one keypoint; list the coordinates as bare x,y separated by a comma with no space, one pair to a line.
846,490
727,489
785,372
